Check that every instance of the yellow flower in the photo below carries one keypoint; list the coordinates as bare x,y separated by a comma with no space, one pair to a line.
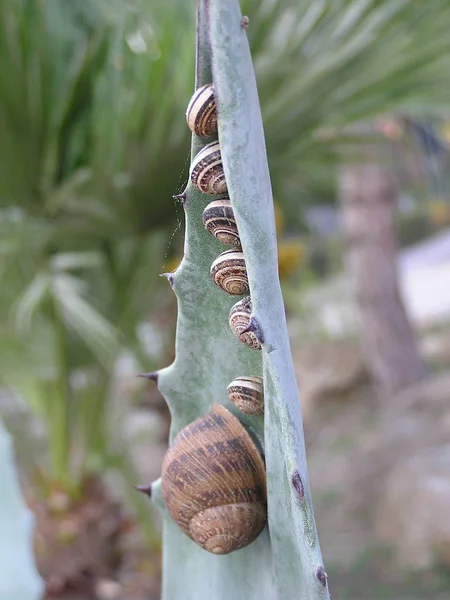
439,213
445,131
291,255
279,219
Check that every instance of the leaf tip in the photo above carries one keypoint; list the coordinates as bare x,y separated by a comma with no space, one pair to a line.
152,376
144,489
169,277
297,484
322,576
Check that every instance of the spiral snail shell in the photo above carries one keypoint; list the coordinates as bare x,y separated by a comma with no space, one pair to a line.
201,113
229,273
239,320
218,219
207,170
246,393
214,483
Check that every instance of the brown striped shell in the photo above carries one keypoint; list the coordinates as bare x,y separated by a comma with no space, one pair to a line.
207,170
247,394
214,483
230,274
201,113
239,320
219,221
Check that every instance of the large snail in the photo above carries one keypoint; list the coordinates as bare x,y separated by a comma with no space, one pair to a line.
229,273
207,170
201,113
214,483
246,393
218,218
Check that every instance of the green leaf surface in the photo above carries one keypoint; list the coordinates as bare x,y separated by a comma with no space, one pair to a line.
208,356
295,547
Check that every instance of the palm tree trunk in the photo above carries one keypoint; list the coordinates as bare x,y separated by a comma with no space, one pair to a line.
368,193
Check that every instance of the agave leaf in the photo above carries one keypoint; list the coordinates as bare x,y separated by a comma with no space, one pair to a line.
294,543
19,579
208,356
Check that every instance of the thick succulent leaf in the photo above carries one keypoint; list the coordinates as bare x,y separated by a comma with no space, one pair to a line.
19,579
208,356
295,547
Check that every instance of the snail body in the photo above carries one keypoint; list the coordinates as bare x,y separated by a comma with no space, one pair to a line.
219,221
214,483
229,273
201,113
246,393
207,170
239,321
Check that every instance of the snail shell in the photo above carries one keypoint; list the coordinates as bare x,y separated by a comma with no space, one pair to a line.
218,218
239,320
207,170
214,483
247,394
201,113
229,273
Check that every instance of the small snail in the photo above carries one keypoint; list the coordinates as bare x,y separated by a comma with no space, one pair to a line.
246,393
207,170
218,218
239,320
214,483
201,113
229,273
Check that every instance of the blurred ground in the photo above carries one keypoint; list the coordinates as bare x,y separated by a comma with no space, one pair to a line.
346,428
352,445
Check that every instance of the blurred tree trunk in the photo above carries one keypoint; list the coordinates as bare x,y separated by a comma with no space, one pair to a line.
368,194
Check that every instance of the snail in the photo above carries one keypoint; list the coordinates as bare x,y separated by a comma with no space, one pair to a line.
207,170
229,273
201,113
239,320
214,483
246,393
218,219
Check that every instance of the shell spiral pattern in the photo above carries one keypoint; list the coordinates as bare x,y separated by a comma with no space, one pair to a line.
207,170
246,393
239,320
219,221
201,113
214,482
229,273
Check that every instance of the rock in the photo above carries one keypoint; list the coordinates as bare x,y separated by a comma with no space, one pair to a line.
412,514
108,589
418,418
328,371
408,475
435,347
